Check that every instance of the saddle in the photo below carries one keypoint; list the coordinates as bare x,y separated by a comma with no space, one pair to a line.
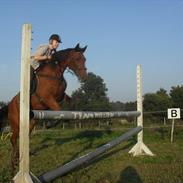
33,83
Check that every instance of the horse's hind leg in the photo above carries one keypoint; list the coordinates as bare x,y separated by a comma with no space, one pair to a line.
15,150
13,116
32,125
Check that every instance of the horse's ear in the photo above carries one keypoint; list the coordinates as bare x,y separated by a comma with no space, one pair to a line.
83,49
77,47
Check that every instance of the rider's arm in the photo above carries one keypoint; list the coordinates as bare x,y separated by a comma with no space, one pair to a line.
41,57
40,54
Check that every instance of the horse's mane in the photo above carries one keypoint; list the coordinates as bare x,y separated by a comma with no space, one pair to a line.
58,56
61,54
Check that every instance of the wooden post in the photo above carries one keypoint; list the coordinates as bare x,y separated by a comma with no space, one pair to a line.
172,130
63,126
99,125
44,125
75,125
140,148
164,120
80,126
24,175
173,113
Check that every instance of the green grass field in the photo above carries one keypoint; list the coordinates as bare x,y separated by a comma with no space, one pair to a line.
51,148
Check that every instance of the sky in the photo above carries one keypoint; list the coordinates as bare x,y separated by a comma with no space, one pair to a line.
120,34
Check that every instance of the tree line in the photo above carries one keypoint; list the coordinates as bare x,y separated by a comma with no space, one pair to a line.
92,96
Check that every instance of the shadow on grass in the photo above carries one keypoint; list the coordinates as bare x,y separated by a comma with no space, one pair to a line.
103,156
164,133
111,152
130,175
88,136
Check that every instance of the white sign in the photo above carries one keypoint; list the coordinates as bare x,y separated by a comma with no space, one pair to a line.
174,113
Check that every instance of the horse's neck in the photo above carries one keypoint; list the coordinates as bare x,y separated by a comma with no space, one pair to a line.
54,70
62,67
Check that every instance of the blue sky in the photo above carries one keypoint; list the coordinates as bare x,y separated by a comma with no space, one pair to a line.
120,34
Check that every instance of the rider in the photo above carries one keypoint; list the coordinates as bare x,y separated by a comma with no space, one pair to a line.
44,53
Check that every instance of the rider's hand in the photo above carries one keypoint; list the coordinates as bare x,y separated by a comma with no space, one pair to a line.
49,57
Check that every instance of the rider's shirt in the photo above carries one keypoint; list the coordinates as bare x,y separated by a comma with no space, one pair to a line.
42,50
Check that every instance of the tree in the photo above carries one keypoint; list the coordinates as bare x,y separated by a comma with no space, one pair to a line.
117,106
176,94
157,101
2,104
91,95
130,106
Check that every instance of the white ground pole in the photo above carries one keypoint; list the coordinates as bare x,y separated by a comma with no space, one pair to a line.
24,175
140,148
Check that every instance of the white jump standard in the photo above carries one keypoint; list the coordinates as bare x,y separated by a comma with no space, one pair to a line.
23,176
140,148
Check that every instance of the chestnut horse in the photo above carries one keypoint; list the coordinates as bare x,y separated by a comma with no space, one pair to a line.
50,89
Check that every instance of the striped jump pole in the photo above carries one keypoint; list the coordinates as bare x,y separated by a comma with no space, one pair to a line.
83,114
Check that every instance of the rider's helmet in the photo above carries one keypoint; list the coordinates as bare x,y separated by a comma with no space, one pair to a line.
55,37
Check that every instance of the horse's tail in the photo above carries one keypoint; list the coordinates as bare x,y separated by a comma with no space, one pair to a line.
3,114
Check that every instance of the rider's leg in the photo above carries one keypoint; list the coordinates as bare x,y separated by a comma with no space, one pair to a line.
31,77
31,73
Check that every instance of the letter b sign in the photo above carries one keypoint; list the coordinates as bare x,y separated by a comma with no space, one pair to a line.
174,113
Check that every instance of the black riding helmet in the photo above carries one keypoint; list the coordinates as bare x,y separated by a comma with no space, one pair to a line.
55,37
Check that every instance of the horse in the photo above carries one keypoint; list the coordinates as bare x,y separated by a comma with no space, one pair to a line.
49,92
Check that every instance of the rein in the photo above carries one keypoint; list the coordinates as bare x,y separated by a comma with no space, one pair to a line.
70,71
50,77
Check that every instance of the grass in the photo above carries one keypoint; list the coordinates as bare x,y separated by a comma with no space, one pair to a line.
52,148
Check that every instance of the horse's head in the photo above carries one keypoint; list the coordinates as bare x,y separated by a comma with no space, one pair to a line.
74,59
76,62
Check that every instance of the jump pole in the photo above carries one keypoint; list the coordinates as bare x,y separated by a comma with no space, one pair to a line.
140,148
24,175
46,114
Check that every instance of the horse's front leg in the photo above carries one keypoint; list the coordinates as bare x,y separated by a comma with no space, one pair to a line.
52,104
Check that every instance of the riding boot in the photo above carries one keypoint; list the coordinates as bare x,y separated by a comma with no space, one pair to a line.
31,78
